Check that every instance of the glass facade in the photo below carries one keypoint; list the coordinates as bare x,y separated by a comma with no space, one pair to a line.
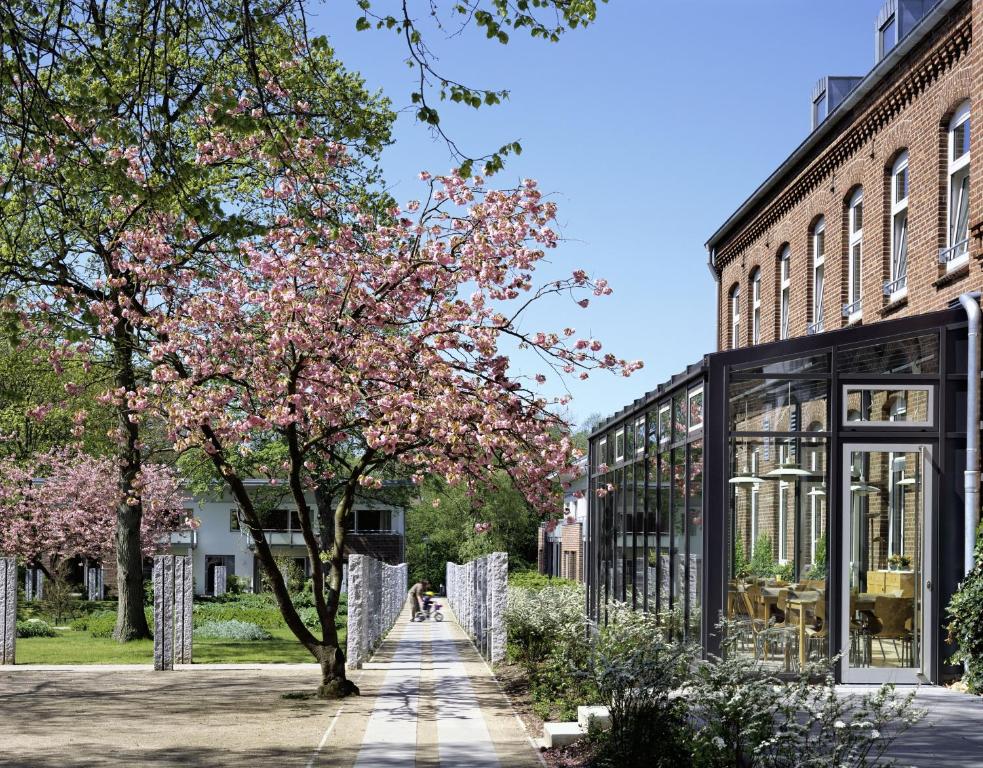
804,496
648,502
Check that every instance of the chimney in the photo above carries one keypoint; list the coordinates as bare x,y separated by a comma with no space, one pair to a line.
827,95
896,19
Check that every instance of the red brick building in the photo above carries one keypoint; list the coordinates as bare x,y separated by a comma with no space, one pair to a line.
873,216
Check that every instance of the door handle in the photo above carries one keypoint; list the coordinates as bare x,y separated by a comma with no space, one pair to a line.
928,585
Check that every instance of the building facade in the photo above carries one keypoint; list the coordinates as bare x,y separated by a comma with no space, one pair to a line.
873,216
806,482
222,538
560,544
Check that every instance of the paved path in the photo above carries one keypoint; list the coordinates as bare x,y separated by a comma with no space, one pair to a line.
428,699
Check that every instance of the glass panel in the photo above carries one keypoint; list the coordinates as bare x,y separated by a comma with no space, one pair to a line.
778,567
889,405
678,534
884,582
628,537
695,540
679,424
855,267
775,405
889,35
817,312
665,497
817,364
619,445
618,586
858,216
899,262
916,354
629,442
640,434
665,425
960,140
696,409
639,537
901,185
652,539
959,211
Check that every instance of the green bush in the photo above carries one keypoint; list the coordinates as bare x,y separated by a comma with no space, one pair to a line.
965,613
265,615
35,628
535,580
101,624
240,631
81,624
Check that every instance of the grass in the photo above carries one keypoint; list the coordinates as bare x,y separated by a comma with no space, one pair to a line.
71,647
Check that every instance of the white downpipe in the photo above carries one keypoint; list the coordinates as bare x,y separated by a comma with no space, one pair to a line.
972,473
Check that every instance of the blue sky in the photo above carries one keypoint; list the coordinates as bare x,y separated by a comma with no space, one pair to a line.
648,128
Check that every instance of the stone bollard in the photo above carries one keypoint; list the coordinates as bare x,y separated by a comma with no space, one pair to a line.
356,612
498,590
184,596
95,587
163,612
8,609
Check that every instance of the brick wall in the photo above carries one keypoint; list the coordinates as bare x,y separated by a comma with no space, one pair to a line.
910,110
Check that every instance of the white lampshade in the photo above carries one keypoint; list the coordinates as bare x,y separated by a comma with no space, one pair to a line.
816,492
788,470
745,480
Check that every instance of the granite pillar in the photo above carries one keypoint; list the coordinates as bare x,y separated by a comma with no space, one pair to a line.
164,612
8,609
221,584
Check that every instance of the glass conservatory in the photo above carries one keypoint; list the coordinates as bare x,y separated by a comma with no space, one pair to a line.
808,491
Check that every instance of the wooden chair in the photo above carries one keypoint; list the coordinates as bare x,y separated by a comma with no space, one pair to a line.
816,635
895,616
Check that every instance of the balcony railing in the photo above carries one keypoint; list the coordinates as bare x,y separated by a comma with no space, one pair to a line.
813,328
954,253
849,310
893,287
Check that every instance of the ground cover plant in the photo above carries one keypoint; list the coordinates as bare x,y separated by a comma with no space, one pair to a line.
243,631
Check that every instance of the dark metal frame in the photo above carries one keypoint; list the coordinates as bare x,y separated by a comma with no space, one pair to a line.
716,372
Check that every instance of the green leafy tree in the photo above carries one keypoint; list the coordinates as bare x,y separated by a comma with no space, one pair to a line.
100,135
440,527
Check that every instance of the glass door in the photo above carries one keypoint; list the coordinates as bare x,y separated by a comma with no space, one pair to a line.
886,588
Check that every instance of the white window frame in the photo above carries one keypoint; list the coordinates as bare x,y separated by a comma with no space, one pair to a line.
818,274
754,500
735,316
639,435
899,216
756,306
785,290
855,254
665,435
619,434
783,487
957,251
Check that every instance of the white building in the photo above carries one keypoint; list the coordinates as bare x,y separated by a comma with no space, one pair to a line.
222,538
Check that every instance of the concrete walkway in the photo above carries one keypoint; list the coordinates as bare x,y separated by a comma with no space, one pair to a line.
428,699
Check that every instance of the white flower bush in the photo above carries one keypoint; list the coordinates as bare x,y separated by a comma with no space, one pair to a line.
539,620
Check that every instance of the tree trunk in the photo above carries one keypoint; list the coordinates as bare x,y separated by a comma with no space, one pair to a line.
334,682
131,621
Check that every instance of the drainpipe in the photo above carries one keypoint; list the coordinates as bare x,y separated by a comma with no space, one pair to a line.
972,473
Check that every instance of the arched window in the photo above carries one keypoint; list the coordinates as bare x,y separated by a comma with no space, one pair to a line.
853,310
957,207
897,284
818,271
756,306
735,316
784,289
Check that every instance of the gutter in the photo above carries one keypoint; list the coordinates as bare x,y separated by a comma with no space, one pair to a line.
972,473
863,89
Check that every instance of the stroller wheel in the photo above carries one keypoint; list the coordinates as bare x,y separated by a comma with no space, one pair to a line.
438,616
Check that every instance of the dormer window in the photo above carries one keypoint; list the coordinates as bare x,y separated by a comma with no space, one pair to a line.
887,36
820,108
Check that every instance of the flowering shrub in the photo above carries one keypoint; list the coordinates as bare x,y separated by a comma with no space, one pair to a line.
745,716
539,620
240,631
35,628
637,669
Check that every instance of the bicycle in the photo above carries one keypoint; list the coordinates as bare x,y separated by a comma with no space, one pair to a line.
431,612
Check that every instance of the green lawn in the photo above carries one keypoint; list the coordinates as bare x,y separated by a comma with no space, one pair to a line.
72,647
